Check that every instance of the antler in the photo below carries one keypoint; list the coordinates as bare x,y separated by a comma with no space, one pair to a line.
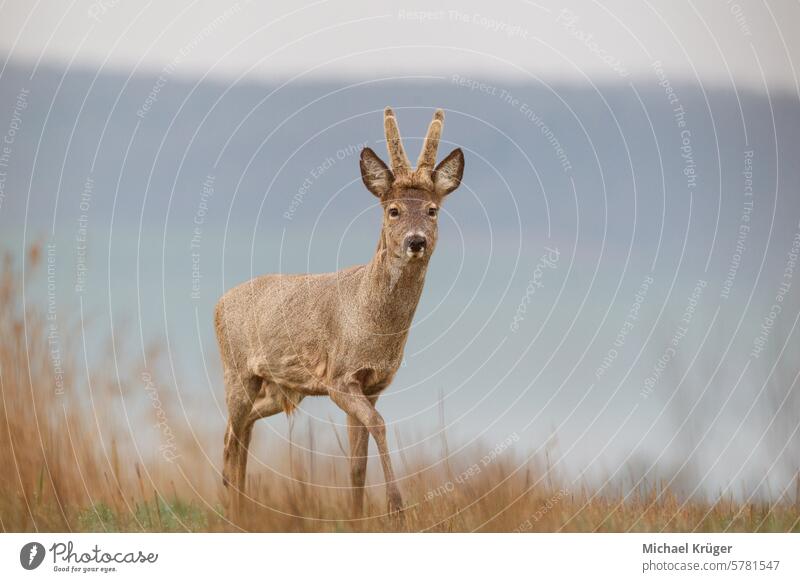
401,167
397,155
427,157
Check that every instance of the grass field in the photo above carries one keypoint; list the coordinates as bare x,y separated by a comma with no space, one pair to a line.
68,464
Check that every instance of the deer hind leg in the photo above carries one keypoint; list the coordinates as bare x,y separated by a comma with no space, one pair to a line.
241,394
267,403
359,444
351,399
255,399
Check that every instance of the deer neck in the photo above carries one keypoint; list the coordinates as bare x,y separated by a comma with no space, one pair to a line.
390,290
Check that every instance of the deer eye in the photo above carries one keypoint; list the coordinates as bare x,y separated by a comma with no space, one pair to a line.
433,212
394,212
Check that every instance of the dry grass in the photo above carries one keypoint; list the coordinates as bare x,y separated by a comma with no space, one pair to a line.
69,465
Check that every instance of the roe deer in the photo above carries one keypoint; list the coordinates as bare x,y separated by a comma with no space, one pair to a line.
285,337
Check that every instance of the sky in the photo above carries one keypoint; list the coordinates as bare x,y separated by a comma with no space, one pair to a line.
747,42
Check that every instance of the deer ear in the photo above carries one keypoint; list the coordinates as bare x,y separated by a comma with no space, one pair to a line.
376,176
447,175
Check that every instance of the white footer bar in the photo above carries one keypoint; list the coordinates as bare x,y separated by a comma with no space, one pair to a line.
388,557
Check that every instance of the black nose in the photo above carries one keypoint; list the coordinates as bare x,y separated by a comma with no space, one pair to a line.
416,243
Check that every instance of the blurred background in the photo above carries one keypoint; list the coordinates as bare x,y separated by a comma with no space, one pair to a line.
616,283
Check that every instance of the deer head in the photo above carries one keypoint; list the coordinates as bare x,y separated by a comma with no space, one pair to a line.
411,198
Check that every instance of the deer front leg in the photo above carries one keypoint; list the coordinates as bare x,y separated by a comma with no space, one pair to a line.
359,443
351,399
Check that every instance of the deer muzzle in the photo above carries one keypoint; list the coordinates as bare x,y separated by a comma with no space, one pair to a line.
415,245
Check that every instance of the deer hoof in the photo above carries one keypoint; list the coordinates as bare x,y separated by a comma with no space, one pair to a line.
395,504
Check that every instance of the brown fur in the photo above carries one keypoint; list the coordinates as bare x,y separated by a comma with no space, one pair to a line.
285,337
